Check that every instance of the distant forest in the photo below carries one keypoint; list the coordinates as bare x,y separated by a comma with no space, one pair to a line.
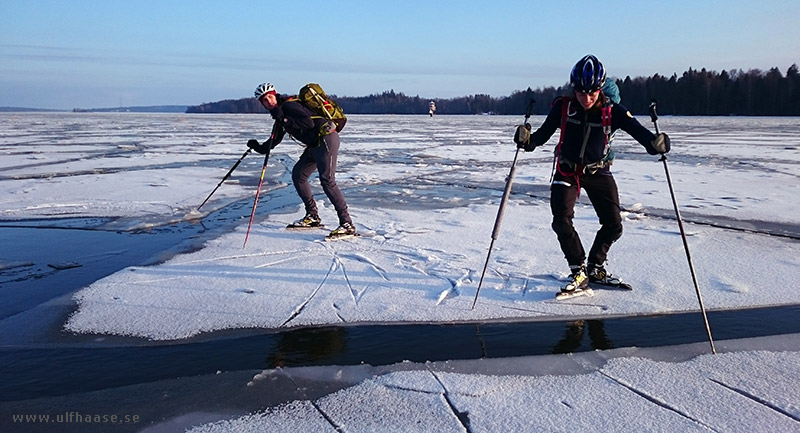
701,93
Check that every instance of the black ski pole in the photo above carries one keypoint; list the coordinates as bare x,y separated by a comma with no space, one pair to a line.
225,178
654,118
499,219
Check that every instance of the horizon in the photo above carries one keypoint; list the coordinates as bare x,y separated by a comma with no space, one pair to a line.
11,108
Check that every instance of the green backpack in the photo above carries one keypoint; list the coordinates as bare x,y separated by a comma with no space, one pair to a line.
312,96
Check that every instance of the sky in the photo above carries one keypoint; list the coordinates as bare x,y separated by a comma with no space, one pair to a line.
97,54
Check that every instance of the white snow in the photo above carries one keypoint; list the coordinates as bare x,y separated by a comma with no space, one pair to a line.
610,391
424,192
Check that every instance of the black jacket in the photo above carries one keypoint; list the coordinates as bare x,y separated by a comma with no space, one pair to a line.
294,118
586,127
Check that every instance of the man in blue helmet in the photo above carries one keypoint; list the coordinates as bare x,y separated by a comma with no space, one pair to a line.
587,119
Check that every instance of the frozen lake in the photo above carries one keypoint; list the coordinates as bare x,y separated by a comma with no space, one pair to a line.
87,196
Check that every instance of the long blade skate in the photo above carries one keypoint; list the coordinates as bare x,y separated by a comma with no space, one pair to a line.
560,296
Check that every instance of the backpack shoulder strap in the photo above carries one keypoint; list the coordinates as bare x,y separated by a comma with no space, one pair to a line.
606,120
565,103
606,117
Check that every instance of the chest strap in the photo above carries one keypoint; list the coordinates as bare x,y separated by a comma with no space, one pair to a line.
577,168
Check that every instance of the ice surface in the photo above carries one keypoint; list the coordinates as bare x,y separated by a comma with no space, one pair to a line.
425,192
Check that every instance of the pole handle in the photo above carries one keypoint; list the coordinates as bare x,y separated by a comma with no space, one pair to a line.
653,114
529,108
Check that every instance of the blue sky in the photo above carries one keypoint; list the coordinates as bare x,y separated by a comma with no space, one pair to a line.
91,54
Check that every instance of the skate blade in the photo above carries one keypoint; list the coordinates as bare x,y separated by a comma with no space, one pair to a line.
574,294
340,237
294,227
620,286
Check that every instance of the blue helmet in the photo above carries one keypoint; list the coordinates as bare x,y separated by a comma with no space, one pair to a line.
588,74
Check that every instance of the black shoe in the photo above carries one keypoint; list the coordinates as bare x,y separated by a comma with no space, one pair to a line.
310,220
578,279
346,229
599,275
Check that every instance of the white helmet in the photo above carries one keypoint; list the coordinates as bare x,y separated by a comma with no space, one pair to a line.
263,89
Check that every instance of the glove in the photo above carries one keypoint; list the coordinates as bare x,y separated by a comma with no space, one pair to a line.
328,128
523,137
258,147
660,145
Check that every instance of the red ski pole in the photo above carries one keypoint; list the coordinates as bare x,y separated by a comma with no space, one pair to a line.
255,202
275,127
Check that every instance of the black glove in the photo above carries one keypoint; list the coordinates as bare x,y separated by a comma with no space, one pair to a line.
258,147
660,145
523,137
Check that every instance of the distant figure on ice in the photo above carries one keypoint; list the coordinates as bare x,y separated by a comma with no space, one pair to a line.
321,139
587,119
431,108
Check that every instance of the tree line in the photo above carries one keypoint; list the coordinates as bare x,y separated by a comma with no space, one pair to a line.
695,92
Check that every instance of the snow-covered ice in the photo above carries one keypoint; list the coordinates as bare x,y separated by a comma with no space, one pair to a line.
729,392
424,192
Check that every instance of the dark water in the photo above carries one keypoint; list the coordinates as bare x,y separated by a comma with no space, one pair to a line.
54,261
61,365
30,373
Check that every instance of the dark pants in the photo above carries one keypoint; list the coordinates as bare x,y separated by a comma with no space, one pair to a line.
602,192
320,158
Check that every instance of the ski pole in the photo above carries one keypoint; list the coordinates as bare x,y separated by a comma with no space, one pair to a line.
499,219
654,118
255,202
225,178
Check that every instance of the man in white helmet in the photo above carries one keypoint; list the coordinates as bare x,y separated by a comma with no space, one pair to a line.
320,154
